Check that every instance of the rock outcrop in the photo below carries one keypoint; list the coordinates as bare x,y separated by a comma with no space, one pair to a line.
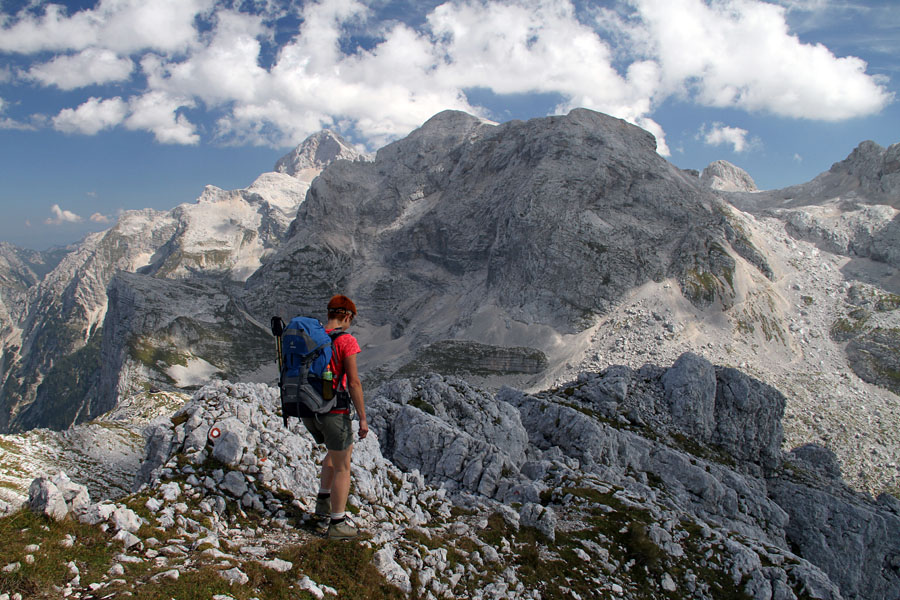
467,493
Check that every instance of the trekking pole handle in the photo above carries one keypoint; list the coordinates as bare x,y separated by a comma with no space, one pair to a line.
277,330
277,326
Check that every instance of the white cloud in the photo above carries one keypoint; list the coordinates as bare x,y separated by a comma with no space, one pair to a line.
61,216
91,66
98,218
11,124
156,112
740,53
724,53
225,69
91,117
720,134
122,25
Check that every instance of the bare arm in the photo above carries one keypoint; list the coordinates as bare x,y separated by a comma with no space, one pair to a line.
354,386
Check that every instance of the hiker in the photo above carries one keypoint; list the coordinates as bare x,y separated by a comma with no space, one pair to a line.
333,429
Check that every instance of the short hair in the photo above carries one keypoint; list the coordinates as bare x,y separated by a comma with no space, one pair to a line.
340,305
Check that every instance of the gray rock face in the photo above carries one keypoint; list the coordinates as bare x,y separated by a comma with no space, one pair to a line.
725,177
625,482
869,175
726,408
175,333
457,435
748,419
849,228
707,438
817,459
465,225
874,356
871,329
690,387
850,538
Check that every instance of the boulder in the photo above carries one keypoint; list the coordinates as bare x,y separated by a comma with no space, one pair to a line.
44,497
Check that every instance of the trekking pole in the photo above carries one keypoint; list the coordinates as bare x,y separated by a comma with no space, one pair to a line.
277,330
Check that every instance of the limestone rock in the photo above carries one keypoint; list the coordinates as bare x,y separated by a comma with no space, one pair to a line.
724,176
690,387
44,497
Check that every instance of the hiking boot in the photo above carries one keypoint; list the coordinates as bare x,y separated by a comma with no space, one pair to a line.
342,531
323,507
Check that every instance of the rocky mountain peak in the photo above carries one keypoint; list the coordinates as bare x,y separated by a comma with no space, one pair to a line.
873,169
723,176
537,217
316,152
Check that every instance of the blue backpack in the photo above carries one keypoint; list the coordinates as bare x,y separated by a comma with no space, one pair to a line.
306,353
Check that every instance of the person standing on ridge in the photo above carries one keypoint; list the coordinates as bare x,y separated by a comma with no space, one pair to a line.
334,429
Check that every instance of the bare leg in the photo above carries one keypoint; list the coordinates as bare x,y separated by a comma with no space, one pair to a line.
339,469
326,477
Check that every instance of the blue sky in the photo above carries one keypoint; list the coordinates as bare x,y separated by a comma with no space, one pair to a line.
113,105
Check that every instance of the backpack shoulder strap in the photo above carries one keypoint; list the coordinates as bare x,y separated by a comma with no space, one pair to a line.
336,334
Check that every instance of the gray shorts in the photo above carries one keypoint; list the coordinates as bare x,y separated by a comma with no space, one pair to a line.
333,430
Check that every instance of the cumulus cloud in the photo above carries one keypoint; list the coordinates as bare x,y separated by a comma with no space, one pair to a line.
157,112
122,25
99,218
740,53
91,117
91,66
61,216
624,61
719,134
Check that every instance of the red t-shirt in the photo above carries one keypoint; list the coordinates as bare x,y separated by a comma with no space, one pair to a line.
344,346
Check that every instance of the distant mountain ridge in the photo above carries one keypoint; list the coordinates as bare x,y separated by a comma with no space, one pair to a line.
53,358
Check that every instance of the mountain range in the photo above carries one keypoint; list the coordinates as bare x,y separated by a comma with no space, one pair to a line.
519,253
562,257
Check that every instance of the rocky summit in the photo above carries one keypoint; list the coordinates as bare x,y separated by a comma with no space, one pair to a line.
574,353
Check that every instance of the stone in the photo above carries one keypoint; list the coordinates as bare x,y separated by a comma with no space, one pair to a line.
308,585
277,564
234,576
234,483
229,446
127,538
45,498
170,491
384,560
125,519
542,518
